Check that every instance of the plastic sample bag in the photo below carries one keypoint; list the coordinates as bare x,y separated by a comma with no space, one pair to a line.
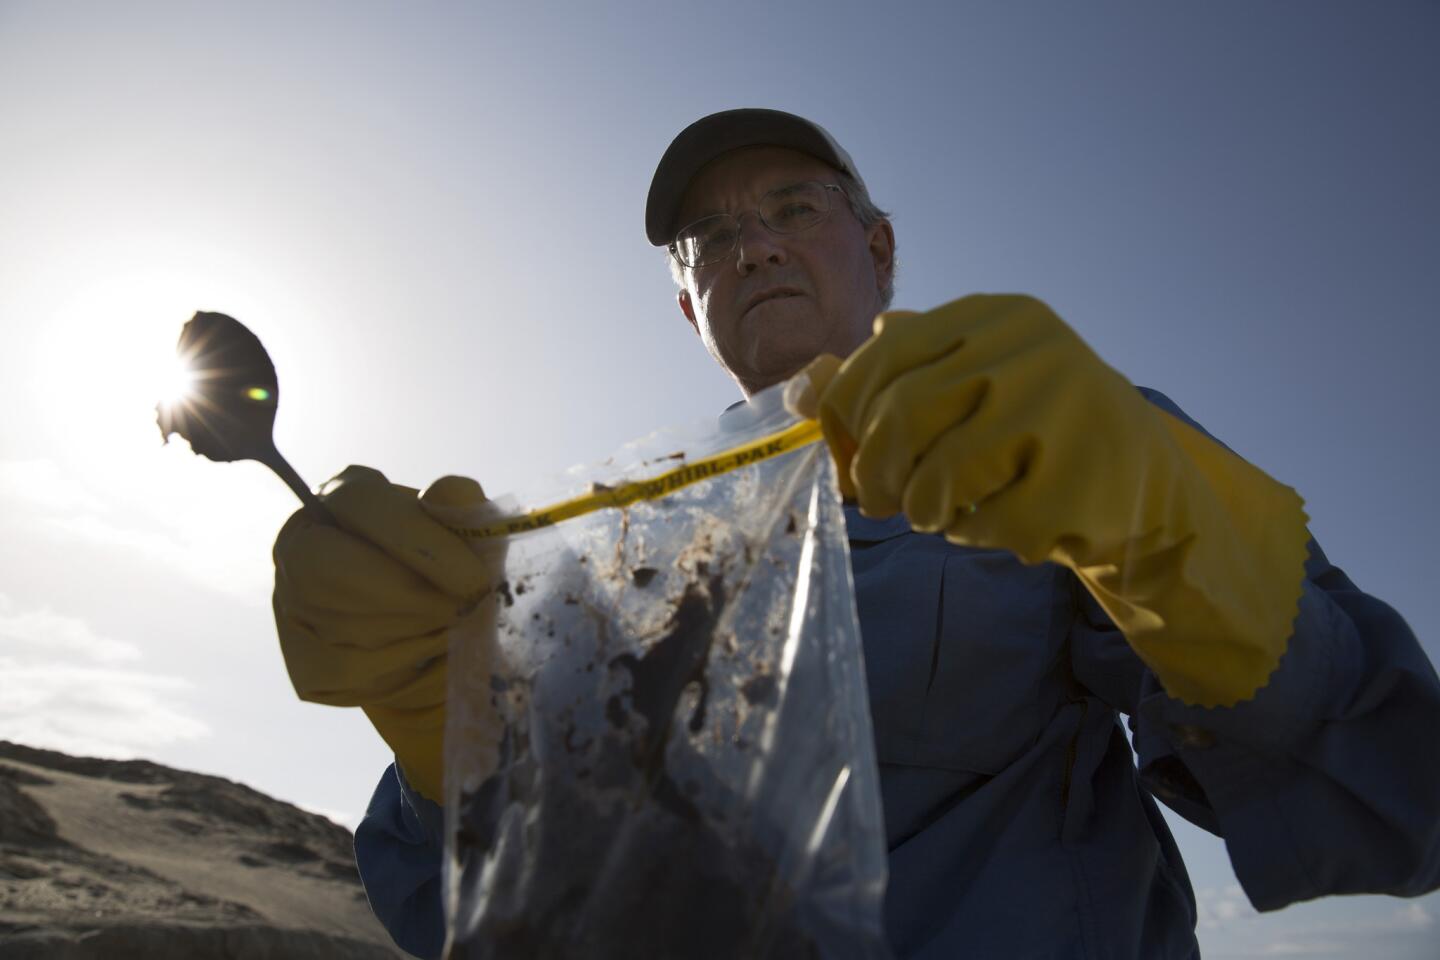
658,737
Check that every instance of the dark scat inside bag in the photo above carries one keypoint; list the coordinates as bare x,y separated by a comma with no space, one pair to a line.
687,768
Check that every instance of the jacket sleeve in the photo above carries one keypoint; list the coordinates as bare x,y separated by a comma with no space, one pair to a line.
1328,780
398,847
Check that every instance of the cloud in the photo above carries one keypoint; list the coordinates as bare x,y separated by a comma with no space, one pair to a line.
95,712
41,483
212,570
57,633
1373,927
58,503
1298,948
60,688
1413,916
1222,906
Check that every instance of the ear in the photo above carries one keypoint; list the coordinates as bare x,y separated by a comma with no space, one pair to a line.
688,308
881,241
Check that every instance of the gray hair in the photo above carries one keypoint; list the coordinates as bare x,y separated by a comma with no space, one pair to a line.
861,205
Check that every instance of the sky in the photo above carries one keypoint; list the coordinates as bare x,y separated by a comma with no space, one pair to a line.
431,213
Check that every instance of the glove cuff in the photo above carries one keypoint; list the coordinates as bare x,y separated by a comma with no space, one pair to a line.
417,738
1208,597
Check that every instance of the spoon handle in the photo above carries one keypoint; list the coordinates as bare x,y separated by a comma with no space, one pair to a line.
316,509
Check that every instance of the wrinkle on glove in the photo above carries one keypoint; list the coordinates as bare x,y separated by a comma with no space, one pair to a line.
364,610
990,420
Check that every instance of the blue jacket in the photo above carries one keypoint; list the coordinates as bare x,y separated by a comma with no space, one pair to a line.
1020,824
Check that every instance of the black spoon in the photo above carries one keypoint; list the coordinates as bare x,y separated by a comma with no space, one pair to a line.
228,413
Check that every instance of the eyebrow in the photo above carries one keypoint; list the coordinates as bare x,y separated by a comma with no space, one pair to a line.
783,188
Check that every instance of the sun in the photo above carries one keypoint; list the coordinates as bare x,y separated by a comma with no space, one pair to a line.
175,381
104,356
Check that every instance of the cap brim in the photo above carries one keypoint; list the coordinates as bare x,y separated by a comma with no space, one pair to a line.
719,133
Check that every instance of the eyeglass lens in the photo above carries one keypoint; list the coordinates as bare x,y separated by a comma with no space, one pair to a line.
791,209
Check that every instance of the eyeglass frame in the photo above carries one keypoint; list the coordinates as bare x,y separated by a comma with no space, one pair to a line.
674,244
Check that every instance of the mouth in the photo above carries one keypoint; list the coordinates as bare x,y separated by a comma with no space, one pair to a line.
765,296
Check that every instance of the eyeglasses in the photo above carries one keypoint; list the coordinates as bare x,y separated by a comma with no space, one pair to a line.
791,209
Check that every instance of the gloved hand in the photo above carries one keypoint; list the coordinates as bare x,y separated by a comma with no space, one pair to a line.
363,610
989,419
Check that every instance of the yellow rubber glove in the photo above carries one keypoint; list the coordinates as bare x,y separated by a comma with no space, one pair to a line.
989,419
363,610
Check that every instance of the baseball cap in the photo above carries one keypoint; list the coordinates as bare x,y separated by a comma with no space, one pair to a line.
709,137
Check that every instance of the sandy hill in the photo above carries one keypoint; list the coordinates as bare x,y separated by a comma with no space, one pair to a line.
120,859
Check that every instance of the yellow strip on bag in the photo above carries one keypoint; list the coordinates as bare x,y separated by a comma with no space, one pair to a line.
801,434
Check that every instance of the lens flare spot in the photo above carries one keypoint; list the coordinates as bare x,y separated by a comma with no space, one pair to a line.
258,394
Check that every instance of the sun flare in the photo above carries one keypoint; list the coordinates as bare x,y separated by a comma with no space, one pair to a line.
106,354
176,382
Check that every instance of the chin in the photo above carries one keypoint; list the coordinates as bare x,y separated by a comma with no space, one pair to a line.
753,380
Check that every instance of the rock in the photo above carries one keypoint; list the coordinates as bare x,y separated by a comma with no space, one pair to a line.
175,942
119,859
22,820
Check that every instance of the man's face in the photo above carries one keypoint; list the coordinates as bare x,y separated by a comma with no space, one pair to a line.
780,300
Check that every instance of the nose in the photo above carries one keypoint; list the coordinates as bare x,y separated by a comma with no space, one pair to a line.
756,245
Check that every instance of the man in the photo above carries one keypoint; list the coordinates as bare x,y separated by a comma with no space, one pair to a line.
1037,546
